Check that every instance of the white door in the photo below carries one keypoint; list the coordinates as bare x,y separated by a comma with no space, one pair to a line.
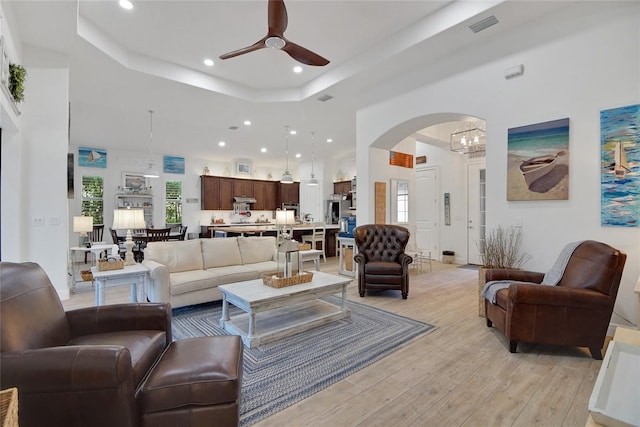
475,211
426,210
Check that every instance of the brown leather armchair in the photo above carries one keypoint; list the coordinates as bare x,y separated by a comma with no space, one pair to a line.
79,368
382,263
576,312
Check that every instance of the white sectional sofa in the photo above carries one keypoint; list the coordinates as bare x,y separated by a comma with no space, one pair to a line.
188,272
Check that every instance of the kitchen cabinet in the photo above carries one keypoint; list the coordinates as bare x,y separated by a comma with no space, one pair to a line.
290,193
266,195
342,187
226,193
216,193
243,188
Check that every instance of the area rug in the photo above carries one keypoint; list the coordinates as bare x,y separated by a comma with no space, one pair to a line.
283,372
469,267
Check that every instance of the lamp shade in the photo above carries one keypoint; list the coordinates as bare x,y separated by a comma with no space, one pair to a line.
285,217
127,219
82,224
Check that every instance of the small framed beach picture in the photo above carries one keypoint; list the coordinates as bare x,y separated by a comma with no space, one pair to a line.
243,167
173,164
133,182
92,157
538,161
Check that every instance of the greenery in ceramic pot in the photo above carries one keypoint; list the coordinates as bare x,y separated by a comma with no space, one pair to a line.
17,76
502,248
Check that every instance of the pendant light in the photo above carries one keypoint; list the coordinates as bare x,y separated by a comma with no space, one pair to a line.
313,180
286,176
151,172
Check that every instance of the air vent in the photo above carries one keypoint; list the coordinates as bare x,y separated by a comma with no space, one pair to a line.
325,98
484,24
233,127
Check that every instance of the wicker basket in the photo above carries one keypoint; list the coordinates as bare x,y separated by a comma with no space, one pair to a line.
9,407
276,279
86,276
110,264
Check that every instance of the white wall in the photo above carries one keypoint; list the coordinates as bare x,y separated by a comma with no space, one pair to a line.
588,61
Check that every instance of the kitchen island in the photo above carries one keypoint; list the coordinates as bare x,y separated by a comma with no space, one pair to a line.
270,229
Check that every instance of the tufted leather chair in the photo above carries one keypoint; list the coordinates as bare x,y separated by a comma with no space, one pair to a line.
78,368
382,263
576,312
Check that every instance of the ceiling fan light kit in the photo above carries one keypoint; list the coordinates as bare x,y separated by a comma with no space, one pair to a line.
278,20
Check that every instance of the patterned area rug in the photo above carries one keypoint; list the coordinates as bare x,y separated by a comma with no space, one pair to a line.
283,372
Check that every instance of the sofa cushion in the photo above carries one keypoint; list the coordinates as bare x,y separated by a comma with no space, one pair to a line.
264,267
185,255
189,281
234,273
220,252
257,249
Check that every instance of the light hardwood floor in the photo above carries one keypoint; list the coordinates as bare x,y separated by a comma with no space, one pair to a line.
461,374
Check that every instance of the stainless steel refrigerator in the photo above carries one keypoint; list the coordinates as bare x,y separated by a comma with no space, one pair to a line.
336,209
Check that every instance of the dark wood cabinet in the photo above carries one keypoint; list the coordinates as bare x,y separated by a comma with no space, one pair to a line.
342,187
209,192
226,193
243,188
290,193
266,195
217,192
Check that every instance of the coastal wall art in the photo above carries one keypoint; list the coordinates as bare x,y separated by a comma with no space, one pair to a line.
538,161
173,164
619,166
92,157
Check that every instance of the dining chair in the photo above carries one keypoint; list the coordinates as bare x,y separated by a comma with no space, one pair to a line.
183,232
157,234
95,237
316,236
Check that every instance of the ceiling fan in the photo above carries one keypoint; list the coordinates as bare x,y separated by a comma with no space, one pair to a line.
275,39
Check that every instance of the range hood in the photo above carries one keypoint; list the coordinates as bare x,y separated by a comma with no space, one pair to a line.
244,200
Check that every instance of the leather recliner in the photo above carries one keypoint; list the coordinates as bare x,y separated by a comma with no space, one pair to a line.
78,368
382,263
576,312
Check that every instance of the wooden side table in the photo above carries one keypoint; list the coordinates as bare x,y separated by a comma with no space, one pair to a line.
132,275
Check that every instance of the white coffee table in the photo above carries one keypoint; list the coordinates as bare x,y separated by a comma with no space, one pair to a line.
133,275
273,313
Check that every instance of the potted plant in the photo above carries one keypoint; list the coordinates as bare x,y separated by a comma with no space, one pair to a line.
502,248
17,76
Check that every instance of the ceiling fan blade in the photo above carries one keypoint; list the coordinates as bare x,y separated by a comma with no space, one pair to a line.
257,45
278,20
304,55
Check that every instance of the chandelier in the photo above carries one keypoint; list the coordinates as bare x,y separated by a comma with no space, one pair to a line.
470,139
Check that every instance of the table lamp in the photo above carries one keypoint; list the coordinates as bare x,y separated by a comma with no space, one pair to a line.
83,225
128,219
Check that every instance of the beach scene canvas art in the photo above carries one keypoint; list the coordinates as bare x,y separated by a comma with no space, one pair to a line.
538,161
173,164
620,163
92,157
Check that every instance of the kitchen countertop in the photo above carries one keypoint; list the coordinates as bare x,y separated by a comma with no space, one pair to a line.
250,227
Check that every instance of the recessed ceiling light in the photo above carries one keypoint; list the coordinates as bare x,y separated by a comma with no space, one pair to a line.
125,4
208,62
263,150
329,140
221,144
247,122
297,69
292,132
298,155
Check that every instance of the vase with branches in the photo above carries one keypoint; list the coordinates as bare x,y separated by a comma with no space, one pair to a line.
501,248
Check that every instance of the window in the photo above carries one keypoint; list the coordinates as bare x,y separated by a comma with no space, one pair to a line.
92,198
402,200
173,202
